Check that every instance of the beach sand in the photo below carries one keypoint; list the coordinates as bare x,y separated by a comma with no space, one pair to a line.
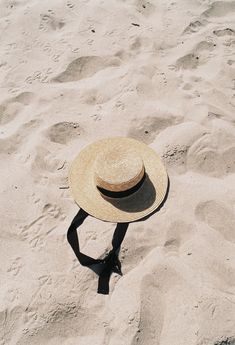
162,72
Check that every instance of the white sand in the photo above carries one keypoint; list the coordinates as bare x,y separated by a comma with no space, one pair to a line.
169,82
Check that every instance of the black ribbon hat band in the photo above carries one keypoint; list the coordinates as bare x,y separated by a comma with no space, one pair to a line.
124,193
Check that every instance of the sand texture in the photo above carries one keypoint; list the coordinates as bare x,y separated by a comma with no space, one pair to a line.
162,72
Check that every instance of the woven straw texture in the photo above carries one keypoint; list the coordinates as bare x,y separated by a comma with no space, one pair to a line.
83,180
118,170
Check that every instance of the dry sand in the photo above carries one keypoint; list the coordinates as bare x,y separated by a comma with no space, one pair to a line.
158,71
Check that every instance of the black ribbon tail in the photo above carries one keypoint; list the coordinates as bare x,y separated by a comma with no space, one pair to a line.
103,284
110,263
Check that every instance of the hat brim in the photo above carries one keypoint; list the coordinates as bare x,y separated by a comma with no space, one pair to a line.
118,210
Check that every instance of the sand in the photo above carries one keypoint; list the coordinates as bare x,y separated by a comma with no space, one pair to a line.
162,72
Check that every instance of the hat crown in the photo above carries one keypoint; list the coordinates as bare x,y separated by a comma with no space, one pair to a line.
118,169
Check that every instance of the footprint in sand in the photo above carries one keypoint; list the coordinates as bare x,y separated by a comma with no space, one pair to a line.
85,67
15,266
63,132
200,54
44,162
50,22
207,156
219,216
195,26
52,211
206,161
204,46
220,9
203,157
70,5
189,61
224,32
10,108
146,130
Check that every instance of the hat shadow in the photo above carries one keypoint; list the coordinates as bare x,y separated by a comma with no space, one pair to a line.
142,199
160,206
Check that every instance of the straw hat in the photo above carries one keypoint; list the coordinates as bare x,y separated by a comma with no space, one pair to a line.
118,179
